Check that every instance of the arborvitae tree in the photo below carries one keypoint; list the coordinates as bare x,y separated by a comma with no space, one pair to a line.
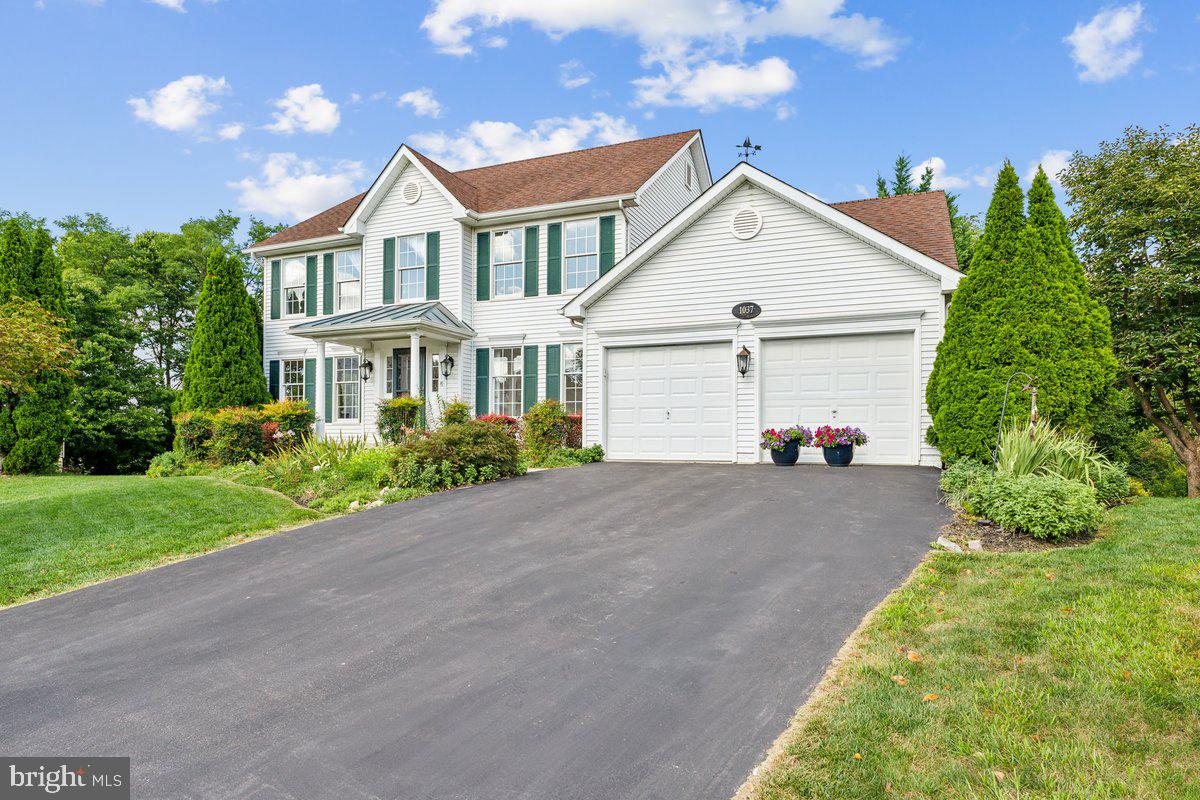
1023,307
973,362
15,272
46,273
224,367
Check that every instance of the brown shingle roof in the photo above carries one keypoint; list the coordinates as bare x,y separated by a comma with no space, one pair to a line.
920,221
605,171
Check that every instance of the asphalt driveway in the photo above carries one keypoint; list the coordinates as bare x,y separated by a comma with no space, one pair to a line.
611,631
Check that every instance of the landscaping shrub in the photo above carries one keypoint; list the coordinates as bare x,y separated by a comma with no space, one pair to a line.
510,425
962,483
1112,484
293,419
166,465
545,428
193,433
574,437
399,418
1044,506
1043,450
472,446
570,457
237,435
456,412
1153,462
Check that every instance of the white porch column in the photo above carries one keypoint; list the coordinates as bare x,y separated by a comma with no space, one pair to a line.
320,404
380,358
414,363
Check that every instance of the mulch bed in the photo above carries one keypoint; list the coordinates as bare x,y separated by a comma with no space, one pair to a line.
996,540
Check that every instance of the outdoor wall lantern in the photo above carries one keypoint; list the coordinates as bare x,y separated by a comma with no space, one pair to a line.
367,369
446,363
743,358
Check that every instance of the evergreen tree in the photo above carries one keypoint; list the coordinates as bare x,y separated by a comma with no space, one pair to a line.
15,272
1021,308
926,183
46,273
881,187
965,229
224,367
902,175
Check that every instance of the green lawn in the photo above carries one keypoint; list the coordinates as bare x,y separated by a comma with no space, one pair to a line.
59,533
1072,673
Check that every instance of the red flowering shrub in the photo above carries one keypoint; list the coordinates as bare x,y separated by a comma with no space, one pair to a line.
574,437
511,425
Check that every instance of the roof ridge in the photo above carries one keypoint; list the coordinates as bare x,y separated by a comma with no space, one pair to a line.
459,174
888,197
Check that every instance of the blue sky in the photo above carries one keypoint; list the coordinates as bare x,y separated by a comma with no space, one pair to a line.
154,111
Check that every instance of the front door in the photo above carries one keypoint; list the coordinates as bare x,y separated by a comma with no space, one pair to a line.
402,374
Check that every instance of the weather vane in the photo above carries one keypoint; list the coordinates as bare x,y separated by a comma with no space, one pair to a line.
746,149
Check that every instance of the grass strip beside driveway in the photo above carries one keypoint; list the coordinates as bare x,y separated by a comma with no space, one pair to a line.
59,533
1071,673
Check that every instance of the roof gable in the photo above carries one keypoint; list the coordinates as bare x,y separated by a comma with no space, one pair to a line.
921,221
605,171
740,174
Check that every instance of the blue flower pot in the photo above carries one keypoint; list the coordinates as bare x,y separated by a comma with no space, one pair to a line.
839,456
788,456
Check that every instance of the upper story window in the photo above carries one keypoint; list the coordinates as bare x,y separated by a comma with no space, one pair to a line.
349,280
295,285
508,263
581,251
572,378
410,257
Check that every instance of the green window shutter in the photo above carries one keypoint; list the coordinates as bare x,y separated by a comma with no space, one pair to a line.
327,306
531,261
389,271
553,370
310,382
310,291
328,389
275,287
482,354
273,379
554,258
483,266
433,265
530,379
608,243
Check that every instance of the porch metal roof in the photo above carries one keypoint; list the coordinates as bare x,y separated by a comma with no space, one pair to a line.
393,316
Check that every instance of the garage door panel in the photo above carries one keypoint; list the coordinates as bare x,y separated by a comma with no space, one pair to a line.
866,379
679,405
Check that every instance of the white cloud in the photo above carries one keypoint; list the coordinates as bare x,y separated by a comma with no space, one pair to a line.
174,5
422,102
290,186
861,190
231,131
305,108
182,104
1104,46
1053,162
681,37
711,85
491,142
943,179
784,111
572,74
355,98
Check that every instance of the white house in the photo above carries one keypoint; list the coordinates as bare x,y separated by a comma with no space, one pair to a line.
609,279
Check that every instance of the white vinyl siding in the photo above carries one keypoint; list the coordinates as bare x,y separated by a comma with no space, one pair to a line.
663,198
810,279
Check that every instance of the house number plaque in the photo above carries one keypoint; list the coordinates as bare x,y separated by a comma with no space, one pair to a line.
747,310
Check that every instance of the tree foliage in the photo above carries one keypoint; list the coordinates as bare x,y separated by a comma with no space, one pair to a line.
32,341
1023,307
224,366
1137,220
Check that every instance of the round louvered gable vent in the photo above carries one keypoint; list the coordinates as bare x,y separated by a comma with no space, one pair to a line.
746,223
411,192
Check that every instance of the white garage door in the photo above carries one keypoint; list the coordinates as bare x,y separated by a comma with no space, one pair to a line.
671,403
864,380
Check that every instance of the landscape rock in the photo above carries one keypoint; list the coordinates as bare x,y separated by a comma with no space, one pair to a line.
946,544
975,545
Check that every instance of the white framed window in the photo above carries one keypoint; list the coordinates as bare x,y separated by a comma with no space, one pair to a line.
507,369
688,175
293,379
572,378
295,286
410,260
387,381
508,263
349,280
346,388
581,251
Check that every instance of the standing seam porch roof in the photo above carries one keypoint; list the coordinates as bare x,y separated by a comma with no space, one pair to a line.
432,312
